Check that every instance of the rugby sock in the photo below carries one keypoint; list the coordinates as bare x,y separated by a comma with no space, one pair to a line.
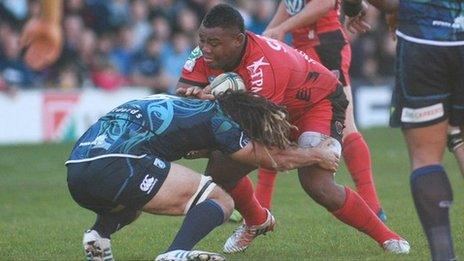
199,221
247,204
357,214
109,223
358,161
432,194
265,187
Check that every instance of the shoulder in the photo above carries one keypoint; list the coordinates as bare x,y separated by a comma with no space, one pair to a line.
194,57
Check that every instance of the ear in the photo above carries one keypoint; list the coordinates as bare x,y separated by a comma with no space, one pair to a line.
240,38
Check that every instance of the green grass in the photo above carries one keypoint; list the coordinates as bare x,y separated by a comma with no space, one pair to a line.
39,220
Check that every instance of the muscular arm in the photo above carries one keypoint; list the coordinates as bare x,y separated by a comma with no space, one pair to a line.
280,16
282,23
51,10
256,155
312,12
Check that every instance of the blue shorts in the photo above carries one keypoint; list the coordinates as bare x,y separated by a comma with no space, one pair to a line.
429,85
103,184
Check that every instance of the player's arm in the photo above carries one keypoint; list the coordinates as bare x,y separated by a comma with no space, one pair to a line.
279,17
313,11
43,37
258,155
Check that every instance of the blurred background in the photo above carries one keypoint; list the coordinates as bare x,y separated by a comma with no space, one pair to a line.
138,47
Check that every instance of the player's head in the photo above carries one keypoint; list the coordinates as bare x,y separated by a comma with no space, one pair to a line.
222,37
263,120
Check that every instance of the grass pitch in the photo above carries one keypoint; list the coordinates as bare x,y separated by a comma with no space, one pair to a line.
40,221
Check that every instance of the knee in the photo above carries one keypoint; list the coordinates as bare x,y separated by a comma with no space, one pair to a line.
224,201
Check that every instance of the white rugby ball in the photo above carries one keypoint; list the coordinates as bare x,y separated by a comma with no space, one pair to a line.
226,81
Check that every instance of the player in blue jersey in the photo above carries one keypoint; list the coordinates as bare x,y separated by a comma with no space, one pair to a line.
122,164
428,104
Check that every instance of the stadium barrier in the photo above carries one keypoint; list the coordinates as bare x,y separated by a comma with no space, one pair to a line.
34,116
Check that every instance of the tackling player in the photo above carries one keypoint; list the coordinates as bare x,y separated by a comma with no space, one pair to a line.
316,104
429,97
122,164
316,30
42,37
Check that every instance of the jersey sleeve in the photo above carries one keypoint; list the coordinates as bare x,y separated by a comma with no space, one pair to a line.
228,135
194,70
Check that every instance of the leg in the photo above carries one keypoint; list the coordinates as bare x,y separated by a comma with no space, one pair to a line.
211,209
358,159
265,186
456,145
430,186
345,204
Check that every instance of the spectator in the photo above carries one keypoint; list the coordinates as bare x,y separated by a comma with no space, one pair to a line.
148,67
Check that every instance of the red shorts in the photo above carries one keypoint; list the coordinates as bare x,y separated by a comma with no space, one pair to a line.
326,116
334,52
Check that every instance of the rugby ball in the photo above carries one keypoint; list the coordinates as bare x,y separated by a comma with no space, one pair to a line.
226,81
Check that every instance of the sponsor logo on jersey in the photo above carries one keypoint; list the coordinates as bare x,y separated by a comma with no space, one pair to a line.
256,74
159,163
303,94
424,114
339,127
148,183
192,59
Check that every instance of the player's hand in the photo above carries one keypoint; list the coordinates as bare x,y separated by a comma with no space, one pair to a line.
328,159
358,24
392,24
275,33
43,41
195,91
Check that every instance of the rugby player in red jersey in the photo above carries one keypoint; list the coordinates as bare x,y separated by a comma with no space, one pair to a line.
316,104
316,30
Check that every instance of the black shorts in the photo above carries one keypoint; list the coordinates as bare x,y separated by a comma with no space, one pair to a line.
429,85
103,184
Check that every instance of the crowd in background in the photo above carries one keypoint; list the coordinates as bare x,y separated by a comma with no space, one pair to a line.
115,43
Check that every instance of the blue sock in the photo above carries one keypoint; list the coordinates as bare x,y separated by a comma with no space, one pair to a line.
432,194
198,222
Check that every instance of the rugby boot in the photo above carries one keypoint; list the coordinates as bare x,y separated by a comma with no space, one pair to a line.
194,255
96,248
396,246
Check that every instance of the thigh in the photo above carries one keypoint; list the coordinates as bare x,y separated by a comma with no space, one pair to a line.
457,97
102,185
423,88
426,145
326,117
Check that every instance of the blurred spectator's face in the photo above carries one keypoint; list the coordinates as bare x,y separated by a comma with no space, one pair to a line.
73,27
139,10
162,28
12,46
126,37
154,47
266,10
188,20
75,5
181,42
105,44
87,43
221,47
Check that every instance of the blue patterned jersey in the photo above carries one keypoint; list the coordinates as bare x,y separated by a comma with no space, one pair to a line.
162,125
435,20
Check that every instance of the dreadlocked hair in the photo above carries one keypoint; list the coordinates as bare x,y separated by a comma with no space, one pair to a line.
262,120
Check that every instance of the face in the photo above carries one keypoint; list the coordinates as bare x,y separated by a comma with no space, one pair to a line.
221,47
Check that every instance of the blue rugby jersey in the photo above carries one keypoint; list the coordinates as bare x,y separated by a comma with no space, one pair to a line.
162,125
433,20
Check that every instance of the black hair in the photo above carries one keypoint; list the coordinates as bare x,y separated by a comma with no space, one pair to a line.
224,16
261,119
